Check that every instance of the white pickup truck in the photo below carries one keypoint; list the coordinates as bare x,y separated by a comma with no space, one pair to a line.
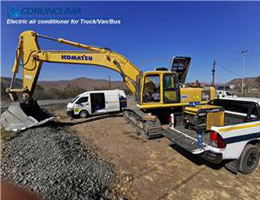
224,94
237,143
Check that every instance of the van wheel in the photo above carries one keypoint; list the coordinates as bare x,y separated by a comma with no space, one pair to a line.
249,159
83,114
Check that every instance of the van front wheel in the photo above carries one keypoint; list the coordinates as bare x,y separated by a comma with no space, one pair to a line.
249,159
83,114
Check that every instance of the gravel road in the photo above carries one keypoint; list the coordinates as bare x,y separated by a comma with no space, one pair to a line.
43,103
52,162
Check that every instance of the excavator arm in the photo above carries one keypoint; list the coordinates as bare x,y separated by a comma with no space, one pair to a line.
31,58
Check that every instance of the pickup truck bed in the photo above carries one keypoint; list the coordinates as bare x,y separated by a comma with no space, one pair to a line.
185,138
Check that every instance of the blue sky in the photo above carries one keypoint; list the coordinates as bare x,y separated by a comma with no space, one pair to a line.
149,35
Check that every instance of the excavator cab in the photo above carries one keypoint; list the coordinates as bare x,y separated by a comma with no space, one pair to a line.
157,87
161,85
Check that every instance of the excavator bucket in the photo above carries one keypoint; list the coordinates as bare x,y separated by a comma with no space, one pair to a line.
21,116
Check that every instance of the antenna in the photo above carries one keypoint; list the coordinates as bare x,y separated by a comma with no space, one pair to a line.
213,73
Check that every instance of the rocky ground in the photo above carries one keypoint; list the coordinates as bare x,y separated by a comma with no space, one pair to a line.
147,170
156,169
52,162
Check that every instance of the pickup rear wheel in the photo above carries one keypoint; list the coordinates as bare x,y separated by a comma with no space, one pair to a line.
83,114
249,159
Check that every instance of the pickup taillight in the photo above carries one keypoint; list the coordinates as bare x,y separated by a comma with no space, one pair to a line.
216,140
171,120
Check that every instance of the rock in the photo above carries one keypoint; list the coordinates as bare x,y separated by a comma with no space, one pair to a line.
53,162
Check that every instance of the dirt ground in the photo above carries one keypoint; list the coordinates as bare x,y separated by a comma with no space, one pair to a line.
155,169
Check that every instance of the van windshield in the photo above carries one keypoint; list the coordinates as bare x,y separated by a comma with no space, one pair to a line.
74,99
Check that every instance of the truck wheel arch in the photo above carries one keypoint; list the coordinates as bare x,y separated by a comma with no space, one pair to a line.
256,143
83,114
250,152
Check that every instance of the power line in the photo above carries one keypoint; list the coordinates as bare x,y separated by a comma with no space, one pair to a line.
230,71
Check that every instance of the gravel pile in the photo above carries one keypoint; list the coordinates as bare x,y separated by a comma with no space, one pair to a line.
53,162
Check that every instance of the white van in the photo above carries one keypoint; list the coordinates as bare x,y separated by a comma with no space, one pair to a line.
97,102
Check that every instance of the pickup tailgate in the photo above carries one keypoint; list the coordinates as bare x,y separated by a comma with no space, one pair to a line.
186,139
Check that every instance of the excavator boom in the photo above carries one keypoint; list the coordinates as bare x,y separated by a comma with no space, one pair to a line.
33,57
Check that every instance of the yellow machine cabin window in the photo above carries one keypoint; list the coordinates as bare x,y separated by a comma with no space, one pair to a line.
151,92
171,93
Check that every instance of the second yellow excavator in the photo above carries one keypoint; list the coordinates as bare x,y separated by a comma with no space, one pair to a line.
156,92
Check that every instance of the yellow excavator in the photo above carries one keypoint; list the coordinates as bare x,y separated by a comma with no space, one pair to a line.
156,92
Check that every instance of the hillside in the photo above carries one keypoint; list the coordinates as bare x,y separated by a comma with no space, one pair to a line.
63,88
5,82
84,83
249,82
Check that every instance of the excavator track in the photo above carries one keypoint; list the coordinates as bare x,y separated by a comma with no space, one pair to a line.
147,125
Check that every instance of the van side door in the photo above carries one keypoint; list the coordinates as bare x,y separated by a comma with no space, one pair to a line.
98,103
112,102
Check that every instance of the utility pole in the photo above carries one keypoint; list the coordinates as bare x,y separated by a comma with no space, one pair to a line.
213,73
109,83
243,53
